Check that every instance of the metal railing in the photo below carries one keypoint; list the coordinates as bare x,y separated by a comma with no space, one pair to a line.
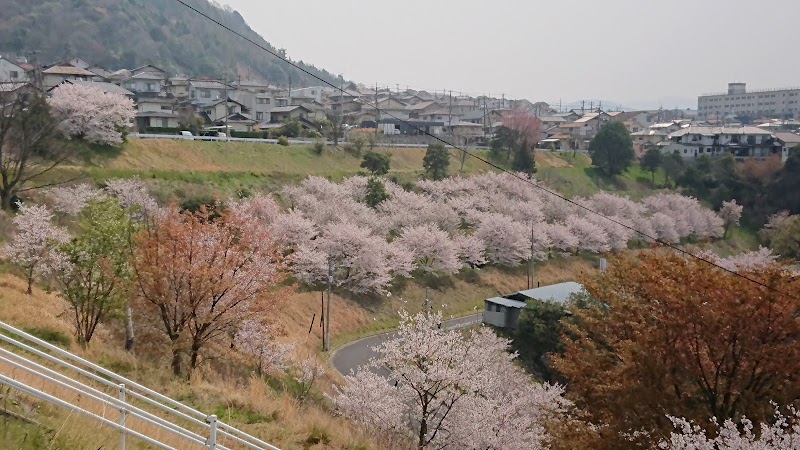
132,400
275,141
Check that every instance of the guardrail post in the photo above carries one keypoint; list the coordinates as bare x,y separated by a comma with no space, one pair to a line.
123,414
212,435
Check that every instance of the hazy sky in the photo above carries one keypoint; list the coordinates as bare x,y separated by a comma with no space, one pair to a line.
629,51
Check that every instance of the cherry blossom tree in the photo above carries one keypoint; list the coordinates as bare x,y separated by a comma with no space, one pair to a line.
507,242
360,260
731,213
526,126
32,247
560,237
258,340
783,433
293,229
91,114
665,228
133,194
446,390
746,261
470,250
310,371
591,237
71,200
432,248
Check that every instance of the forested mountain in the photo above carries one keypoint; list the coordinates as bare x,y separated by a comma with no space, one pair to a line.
129,33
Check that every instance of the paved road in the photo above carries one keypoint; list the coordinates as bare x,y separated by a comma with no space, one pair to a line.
358,353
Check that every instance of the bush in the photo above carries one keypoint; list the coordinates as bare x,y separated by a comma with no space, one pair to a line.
319,147
162,130
249,134
51,336
350,149
283,140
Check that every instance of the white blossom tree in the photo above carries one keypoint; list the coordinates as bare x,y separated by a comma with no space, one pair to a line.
507,242
782,434
432,248
731,213
446,390
71,200
258,341
133,194
33,246
92,114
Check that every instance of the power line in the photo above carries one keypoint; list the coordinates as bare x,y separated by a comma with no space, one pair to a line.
489,163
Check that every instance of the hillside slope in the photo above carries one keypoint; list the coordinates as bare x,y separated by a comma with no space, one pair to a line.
129,33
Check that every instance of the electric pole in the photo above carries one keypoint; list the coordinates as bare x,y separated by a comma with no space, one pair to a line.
326,336
531,274
450,113
227,111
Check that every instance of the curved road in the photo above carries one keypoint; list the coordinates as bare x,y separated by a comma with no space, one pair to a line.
353,355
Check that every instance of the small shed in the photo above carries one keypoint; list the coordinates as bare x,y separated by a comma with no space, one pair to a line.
558,293
502,312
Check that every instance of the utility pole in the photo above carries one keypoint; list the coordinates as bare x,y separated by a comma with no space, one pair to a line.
583,106
225,82
450,113
428,305
326,336
290,91
504,101
530,264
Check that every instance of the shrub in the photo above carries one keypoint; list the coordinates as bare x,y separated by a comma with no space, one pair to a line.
162,130
51,336
283,140
319,147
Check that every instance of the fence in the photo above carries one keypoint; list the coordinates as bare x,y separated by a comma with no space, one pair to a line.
142,413
379,143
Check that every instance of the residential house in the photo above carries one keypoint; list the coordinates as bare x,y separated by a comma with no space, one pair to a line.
477,117
667,127
742,142
11,72
391,107
79,63
312,93
466,133
207,90
144,84
549,122
101,72
443,116
151,69
12,91
425,107
103,86
632,119
178,86
647,138
317,112
289,113
237,121
411,127
217,109
569,116
55,75
786,141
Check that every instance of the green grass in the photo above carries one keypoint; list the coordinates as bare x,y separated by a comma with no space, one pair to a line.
583,180
51,336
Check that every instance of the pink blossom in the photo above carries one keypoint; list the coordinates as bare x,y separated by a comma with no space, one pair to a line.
781,434
89,113
591,237
33,245
132,193
470,249
432,249
507,242
445,388
257,340
71,200
293,228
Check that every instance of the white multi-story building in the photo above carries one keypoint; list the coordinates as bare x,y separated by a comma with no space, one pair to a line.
742,142
738,101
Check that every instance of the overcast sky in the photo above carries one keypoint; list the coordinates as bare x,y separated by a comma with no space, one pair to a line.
628,51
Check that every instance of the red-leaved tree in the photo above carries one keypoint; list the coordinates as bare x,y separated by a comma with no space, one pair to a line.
199,279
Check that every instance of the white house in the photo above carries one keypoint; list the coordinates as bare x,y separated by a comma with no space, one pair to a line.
55,75
11,73
786,141
742,142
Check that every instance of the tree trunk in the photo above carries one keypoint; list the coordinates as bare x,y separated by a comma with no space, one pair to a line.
195,353
30,282
5,199
129,337
176,360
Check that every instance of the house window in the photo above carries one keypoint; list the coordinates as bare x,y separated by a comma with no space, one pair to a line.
14,74
193,94
684,150
205,94
164,123
133,86
166,108
259,116
151,86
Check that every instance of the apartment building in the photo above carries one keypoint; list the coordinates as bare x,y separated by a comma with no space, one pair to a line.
738,101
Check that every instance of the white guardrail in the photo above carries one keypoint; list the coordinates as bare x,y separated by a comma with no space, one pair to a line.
176,137
142,413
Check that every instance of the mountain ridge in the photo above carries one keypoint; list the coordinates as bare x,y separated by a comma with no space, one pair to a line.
129,33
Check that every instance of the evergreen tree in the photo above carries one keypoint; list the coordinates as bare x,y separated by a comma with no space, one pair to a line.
652,161
524,160
376,163
436,161
376,192
612,149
